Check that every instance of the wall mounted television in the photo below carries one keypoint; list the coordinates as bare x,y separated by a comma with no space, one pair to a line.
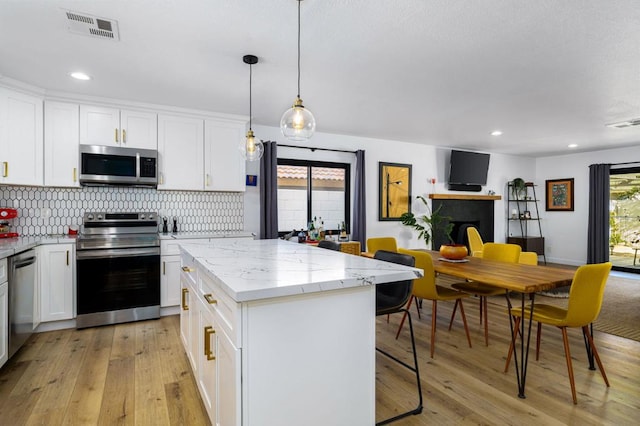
468,170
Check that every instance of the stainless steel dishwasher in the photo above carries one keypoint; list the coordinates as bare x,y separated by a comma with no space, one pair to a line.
22,278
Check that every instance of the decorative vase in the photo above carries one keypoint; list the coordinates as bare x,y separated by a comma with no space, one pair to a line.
453,251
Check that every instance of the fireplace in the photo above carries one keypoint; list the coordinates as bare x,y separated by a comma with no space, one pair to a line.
464,211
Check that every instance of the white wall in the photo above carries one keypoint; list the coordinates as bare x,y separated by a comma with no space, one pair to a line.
566,232
427,162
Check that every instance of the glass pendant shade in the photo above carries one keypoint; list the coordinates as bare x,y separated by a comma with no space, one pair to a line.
298,123
252,149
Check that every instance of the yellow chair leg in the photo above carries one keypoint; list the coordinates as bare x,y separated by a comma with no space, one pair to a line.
567,354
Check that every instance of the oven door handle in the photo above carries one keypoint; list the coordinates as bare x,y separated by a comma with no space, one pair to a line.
110,253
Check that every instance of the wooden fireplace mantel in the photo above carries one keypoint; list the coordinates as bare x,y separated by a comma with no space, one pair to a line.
464,197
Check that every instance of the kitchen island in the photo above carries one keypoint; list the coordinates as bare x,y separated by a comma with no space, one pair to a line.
282,333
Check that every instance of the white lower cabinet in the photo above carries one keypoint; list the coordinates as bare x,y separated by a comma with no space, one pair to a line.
4,321
56,277
214,358
170,281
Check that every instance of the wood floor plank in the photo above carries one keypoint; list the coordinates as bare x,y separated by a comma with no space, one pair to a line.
84,405
151,402
184,404
118,399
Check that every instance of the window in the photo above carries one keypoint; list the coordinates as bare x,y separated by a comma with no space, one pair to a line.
308,189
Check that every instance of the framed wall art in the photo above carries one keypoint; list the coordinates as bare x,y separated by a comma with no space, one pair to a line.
394,181
559,195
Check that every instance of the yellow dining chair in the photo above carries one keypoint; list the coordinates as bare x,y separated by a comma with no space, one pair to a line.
492,251
585,300
426,288
475,241
528,258
381,243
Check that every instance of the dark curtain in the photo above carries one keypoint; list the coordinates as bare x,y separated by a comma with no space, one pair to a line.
598,232
269,191
359,225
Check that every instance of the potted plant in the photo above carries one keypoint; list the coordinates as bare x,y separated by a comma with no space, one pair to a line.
518,188
428,224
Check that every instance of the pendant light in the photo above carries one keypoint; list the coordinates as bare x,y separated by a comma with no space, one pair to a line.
252,148
297,123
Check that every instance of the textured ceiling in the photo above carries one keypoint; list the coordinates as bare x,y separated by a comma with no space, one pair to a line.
439,72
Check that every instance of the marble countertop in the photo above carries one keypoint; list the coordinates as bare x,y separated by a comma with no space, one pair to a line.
260,269
11,246
211,234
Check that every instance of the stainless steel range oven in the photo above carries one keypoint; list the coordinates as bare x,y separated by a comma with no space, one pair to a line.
118,269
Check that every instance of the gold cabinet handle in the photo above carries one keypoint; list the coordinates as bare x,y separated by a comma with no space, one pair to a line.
208,331
5,169
209,298
161,180
124,136
75,173
208,182
187,269
184,301
116,136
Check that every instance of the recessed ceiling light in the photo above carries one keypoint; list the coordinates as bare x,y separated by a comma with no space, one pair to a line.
80,75
496,133
572,145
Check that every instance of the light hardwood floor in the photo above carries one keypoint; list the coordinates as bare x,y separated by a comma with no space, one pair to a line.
138,374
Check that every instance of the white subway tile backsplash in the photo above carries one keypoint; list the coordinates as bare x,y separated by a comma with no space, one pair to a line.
43,211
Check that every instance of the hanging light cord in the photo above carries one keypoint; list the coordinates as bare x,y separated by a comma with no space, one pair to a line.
299,1
250,103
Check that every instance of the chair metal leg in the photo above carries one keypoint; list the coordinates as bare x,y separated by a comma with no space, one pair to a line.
434,316
415,369
403,316
453,314
592,367
585,330
567,354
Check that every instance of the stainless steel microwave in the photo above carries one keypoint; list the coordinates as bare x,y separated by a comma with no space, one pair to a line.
113,165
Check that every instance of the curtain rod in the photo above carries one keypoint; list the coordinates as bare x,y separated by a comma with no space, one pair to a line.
311,148
624,164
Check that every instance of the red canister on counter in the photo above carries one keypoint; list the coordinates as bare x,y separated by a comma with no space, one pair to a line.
6,213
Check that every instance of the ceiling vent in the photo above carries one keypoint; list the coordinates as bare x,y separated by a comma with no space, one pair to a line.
626,123
93,26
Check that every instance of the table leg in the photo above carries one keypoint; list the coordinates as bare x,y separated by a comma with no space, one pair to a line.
521,364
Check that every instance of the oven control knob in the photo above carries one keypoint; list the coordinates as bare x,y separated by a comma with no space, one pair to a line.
151,216
89,217
99,217
142,217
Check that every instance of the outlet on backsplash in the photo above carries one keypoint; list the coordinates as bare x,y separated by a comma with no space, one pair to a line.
44,211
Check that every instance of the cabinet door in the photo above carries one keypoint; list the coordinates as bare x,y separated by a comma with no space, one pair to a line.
180,148
170,281
61,140
228,375
185,327
223,163
99,125
208,362
4,323
56,282
21,141
139,129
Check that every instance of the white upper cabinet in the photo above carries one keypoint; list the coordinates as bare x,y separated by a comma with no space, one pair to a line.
21,141
224,165
61,140
112,126
180,152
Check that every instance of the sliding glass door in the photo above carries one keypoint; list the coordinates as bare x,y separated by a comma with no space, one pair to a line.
624,219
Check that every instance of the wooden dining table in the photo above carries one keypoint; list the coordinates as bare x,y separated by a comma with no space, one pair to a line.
527,280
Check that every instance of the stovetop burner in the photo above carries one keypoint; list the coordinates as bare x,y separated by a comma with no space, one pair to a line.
101,230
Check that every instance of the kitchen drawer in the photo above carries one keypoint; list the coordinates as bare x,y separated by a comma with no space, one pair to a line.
226,310
171,247
3,270
189,271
